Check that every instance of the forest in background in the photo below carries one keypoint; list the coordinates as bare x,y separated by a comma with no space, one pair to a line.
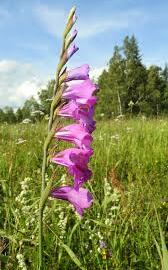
127,87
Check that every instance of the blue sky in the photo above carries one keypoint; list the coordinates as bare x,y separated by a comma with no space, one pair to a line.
31,37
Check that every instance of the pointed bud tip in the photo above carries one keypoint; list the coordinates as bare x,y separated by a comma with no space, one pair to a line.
73,9
72,12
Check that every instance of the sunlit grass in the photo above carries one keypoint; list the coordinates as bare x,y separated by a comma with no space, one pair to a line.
130,179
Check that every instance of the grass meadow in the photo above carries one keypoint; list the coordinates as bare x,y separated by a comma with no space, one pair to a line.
127,226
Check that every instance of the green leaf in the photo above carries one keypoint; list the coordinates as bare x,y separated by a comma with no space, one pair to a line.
73,256
163,252
72,232
3,258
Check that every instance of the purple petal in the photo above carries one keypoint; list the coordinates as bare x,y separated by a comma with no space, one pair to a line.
74,34
74,108
73,156
76,134
90,101
71,50
80,199
81,175
80,90
79,73
81,112
76,161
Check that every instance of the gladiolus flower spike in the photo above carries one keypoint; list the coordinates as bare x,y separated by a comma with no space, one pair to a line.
79,102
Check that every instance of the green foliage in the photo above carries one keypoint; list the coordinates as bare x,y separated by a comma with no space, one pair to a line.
128,87
129,177
29,107
2,116
9,115
45,97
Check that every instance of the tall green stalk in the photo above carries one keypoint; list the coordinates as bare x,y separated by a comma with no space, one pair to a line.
52,125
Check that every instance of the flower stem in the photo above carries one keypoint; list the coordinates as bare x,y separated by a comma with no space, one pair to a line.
40,267
52,124
41,209
44,193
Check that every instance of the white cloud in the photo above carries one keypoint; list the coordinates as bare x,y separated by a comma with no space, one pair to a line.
17,83
25,90
53,20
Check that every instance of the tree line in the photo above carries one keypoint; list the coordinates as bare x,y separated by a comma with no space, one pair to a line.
127,87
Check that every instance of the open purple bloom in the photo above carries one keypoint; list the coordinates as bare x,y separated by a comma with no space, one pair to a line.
70,51
76,134
80,90
80,199
81,112
73,107
79,73
76,161
72,110
73,156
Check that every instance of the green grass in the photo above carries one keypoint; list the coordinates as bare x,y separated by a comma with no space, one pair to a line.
129,184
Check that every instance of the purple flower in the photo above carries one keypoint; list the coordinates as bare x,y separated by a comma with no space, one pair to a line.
79,73
80,90
74,108
76,161
80,199
90,102
88,123
77,100
81,112
76,134
70,51
103,244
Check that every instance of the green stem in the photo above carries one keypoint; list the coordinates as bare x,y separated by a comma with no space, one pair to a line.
40,267
43,200
51,130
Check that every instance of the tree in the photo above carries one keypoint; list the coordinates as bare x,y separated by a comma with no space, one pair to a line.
105,97
2,116
29,107
117,80
9,115
154,89
19,115
135,73
45,97
164,101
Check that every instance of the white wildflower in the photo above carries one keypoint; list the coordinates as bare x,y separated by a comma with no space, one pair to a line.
21,261
26,121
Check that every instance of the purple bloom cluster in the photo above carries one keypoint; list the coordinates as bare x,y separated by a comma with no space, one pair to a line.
79,106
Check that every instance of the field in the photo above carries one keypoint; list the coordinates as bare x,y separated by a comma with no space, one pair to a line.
123,229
